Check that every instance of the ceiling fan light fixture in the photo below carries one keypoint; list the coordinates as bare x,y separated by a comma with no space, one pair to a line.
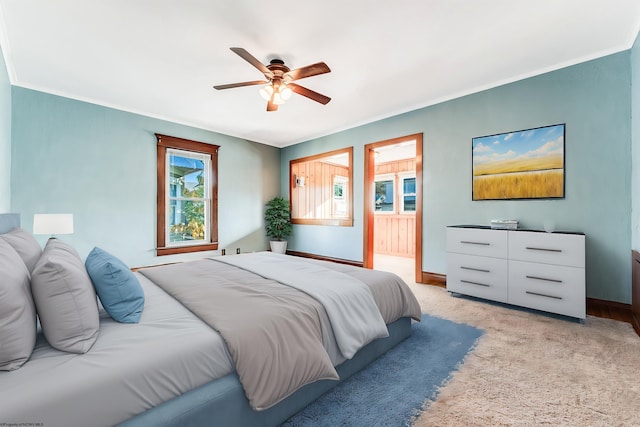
266,92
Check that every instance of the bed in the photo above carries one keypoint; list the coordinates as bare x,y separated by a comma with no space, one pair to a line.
173,368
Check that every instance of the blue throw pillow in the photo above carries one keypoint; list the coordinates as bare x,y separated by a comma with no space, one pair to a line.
117,287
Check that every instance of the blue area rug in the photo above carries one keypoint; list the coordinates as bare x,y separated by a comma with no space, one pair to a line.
394,388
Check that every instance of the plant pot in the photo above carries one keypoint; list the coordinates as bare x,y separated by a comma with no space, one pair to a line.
278,246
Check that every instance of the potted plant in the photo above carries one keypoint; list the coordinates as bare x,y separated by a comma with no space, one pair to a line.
277,218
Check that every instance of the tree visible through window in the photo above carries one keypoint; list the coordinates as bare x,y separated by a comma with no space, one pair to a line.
187,196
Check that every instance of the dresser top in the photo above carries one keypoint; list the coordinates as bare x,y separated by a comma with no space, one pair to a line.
487,227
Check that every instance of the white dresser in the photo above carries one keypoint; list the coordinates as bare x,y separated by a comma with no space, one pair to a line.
543,271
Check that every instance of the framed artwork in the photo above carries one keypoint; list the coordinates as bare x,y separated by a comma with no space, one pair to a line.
525,164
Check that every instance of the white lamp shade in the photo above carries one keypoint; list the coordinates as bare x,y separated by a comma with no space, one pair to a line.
285,92
266,92
53,224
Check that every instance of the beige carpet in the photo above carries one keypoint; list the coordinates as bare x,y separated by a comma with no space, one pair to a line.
532,370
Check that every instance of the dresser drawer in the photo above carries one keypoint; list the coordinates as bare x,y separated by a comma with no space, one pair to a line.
474,241
552,288
477,276
547,248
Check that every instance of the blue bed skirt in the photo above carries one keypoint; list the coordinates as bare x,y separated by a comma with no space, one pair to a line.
222,402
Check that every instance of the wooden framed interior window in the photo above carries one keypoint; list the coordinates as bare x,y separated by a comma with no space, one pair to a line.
187,203
321,188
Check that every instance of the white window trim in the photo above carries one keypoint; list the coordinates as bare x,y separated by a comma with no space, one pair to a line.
206,159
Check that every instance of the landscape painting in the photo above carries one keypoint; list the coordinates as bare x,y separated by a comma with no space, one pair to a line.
526,164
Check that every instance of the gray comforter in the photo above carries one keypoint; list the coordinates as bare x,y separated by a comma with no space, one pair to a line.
276,335
355,318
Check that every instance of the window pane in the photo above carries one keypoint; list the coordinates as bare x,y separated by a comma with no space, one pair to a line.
384,196
409,186
409,203
338,190
187,176
186,221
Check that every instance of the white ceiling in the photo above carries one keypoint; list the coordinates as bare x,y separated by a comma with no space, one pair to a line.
391,153
161,57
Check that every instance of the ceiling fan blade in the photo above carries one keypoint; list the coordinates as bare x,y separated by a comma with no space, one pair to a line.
271,106
301,90
308,71
253,61
232,85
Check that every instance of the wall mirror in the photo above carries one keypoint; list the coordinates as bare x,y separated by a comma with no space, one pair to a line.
321,188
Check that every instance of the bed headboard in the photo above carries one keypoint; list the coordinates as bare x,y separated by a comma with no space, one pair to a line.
9,221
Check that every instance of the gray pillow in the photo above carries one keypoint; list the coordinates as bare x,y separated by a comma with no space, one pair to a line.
65,299
17,312
25,244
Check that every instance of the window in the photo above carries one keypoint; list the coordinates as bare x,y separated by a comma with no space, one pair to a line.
187,205
384,196
408,194
321,188
395,193
340,189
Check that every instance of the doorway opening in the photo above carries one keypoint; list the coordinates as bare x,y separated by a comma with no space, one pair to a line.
393,206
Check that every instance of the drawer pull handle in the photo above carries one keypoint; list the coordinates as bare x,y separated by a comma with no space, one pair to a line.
475,283
467,242
543,295
475,269
545,279
543,249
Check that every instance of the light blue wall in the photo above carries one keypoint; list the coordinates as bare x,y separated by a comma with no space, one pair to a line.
593,99
100,164
635,157
5,138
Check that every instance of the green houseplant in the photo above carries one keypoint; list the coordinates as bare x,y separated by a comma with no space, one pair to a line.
277,218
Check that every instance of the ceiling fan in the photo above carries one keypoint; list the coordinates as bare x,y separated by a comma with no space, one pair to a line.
278,84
